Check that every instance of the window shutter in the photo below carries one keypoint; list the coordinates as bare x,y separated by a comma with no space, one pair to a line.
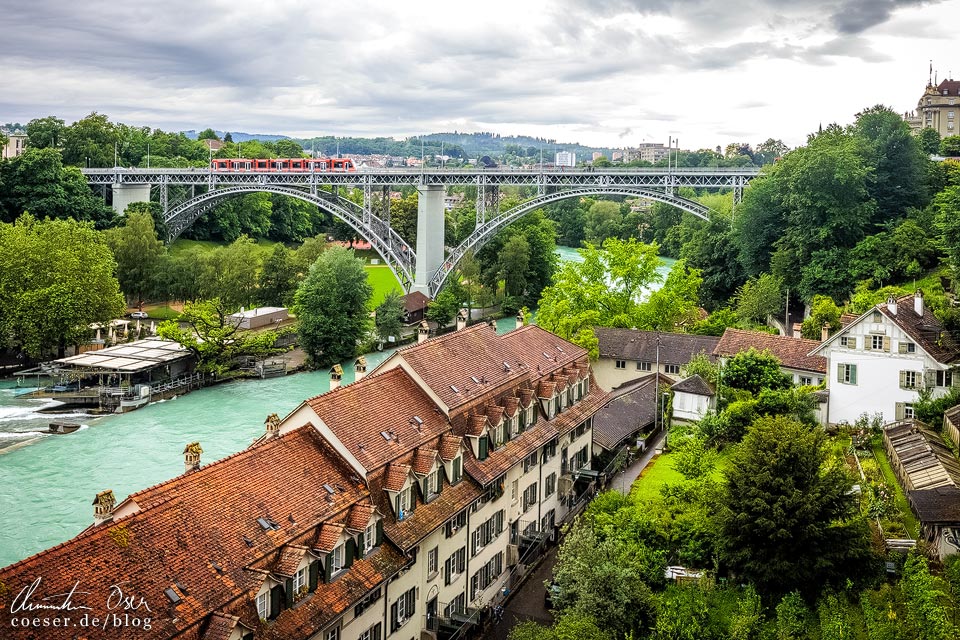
956,378
393,618
886,343
853,374
276,599
867,343
446,572
902,346
412,601
484,444
929,378
288,589
314,575
899,413
439,482
326,567
903,379
361,539
351,552
397,508
379,532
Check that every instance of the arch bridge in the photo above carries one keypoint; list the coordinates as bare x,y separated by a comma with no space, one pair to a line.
426,268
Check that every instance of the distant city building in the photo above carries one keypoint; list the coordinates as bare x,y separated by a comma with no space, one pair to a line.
651,152
566,159
937,108
617,155
16,143
597,155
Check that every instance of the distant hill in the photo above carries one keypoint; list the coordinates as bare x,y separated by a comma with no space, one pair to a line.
239,136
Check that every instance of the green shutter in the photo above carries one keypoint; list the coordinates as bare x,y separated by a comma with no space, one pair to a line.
276,600
439,482
393,618
288,589
484,444
314,575
326,568
839,373
853,374
351,552
379,540
360,545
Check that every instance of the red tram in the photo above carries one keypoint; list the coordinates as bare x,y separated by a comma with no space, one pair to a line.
320,165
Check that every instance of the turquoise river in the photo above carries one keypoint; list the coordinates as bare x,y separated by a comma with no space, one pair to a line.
47,483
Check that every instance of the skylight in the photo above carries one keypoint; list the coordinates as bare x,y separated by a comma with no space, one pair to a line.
475,381
267,524
386,436
329,489
454,389
506,366
171,595
418,420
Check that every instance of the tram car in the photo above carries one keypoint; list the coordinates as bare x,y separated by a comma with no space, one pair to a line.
319,165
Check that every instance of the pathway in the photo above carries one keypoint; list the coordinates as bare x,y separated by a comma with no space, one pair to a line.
527,601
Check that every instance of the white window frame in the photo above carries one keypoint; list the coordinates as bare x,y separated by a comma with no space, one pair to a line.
431,484
338,559
369,537
644,366
873,343
620,364
405,495
263,604
433,558
300,580
333,634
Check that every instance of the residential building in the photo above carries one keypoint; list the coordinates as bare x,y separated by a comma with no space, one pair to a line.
938,108
930,476
630,415
793,353
16,143
628,354
652,152
693,398
382,509
565,159
879,362
414,306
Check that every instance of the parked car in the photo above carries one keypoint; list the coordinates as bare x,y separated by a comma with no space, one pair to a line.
139,315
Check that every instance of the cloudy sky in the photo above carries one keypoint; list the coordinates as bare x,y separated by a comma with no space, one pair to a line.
599,72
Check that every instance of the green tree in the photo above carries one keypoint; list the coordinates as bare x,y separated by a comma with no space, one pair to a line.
712,251
947,205
331,307
823,312
682,614
571,221
767,152
754,371
206,329
759,297
786,518
924,601
388,316
793,617
514,263
91,141
56,278
43,133
443,308
950,146
604,220
278,278
760,221
208,134
929,140
139,255
231,273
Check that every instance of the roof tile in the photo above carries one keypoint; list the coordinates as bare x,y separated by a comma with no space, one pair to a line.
792,352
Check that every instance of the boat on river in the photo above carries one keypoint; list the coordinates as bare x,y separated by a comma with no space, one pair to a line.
62,427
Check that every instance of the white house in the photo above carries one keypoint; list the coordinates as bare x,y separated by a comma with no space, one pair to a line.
879,362
693,397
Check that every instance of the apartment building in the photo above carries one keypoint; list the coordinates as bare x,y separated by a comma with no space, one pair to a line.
398,505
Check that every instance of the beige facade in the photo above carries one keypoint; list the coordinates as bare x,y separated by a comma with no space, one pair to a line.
16,143
938,109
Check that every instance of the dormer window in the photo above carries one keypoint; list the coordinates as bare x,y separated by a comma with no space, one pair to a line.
300,582
337,560
431,486
369,538
404,502
263,602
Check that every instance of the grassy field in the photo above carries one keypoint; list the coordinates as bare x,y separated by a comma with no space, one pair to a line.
180,245
383,282
660,472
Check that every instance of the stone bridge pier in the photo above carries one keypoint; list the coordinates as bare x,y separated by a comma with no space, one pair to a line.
125,194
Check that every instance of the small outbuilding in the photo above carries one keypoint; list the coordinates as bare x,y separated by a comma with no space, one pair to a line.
259,317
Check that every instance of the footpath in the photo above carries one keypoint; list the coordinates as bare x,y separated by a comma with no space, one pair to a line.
527,602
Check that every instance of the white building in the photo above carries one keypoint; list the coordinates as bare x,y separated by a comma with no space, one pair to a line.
565,159
878,363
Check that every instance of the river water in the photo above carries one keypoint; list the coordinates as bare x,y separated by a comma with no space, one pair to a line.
47,482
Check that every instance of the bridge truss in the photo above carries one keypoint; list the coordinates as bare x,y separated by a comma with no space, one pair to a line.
196,191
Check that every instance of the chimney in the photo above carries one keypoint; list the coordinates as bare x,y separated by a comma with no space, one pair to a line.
103,507
423,332
825,332
273,425
892,305
191,457
519,319
462,320
918,303
336,374
360,368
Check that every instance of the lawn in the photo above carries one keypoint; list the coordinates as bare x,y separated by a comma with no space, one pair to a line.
181,245
383,281
660,472
899,499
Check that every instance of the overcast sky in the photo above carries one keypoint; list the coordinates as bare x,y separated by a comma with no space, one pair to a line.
599,72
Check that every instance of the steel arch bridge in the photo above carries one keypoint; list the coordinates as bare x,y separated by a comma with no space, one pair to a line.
485,231
427,268
395,251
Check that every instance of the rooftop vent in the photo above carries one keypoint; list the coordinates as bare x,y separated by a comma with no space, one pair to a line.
171,595
475,381
267,524
506,366
216,567
291,519
454,389
181,588
418,420
546,355
247,541
329,489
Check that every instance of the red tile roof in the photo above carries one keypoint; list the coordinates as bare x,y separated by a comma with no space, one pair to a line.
424,461
924,329
494,414
415,301
792,352
328,536
288,560
477,424
450,446
510,453
425,518
383,402
510,406
396,476
359,517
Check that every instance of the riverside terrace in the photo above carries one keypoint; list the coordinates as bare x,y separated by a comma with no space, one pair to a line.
406,501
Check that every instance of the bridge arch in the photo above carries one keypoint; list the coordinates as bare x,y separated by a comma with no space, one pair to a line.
395,251
485,231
